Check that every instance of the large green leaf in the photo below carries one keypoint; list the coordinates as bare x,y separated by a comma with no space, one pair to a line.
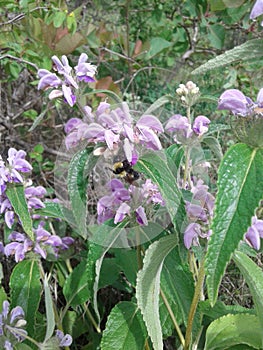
254,277
79,169
240,187
249,50
232,330
148,286
157,45
125,328
154,166
16,195
26,290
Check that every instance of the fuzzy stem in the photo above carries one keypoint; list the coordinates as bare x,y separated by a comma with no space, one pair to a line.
176,326
197,294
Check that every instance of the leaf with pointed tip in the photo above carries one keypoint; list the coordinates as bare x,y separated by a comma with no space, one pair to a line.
240,187
125,328
148,286
249,50
254,278
158,103
16,195
232,330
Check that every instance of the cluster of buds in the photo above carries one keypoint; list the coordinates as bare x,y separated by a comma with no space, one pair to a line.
189,93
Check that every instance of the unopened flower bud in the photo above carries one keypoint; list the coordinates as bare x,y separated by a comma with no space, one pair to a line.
190,85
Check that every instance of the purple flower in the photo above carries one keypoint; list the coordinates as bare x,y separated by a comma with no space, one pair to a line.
123,210
152,193
147,128
200,125
17,163
11,322
195,212
191,235
181,127
64,340
141,216
235,101
84,70
22,244
257,9
254,233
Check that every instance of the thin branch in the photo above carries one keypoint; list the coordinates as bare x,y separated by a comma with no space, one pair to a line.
20,60
22,15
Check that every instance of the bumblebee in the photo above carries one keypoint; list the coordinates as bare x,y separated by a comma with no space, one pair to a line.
125,171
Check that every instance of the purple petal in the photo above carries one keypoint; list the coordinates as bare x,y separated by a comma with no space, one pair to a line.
48,80
233,100
151,122
257,9
5,308
149,138
9,218
103,107
260,97
195,211
16,313
253,238
39,250
72,124
122,211
8,345
141,216
70,98
111,138
200,125
191,234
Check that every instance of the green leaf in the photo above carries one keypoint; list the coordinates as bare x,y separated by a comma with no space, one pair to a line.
26,290
79,169
214,146
247,51
49,311
254,278
148,286
76,289
59,18
52,210
231,330
217,5
216,35
38,120
110,93
158,103
240,187
157,45
16,195
127,259
124,329
154,166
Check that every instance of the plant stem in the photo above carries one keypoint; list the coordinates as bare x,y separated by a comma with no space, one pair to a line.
96,326
176,326
139,250
197,294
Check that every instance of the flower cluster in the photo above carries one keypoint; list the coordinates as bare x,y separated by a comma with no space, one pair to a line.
254,233
122,202
12,172
238,104
21,244
184,132
116,128
65,81
199,212
11,326
189,93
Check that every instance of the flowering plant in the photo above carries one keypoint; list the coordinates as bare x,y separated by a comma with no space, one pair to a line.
139,207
